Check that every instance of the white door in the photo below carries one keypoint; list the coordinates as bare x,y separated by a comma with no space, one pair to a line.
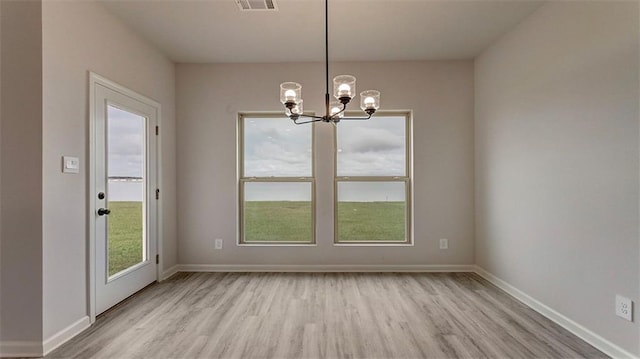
124,192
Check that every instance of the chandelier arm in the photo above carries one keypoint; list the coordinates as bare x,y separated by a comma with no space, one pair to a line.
309,116
334,116
315,119
344,108
355,118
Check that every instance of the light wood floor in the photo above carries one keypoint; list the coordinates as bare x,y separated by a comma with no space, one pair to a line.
324,315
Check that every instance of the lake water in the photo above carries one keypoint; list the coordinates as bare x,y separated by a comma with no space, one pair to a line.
126,190
133,190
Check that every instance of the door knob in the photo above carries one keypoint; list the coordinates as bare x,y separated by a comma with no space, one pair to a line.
103,211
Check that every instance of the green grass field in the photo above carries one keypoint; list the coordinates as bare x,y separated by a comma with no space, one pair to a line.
371,221
125,235
289,221
275,221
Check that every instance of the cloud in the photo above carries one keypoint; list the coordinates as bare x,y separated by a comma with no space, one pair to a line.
371,140
371,164
372,148
125,143
274,147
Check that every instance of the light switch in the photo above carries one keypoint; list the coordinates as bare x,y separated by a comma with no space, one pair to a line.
70,164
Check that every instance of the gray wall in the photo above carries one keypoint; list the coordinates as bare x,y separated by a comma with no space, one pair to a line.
557,161
80,37
208,100
556,158
21,168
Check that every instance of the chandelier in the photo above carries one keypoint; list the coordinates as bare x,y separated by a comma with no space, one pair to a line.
344,90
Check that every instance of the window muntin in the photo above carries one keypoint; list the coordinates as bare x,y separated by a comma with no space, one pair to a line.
277,201
373,186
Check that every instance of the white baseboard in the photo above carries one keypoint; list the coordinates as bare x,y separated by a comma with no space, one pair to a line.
169,272
322,268
65,334
585,334
28,349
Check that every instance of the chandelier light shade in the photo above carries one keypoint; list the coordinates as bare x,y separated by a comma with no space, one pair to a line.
344,90
335,108
290,92
370,101
296,110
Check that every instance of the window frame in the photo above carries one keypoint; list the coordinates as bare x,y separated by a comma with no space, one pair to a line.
406,179
242,180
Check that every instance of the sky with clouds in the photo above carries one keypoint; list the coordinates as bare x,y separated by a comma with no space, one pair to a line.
125,143
372,148
276,147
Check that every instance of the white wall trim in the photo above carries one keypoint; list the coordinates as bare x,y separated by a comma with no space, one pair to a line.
29,349
323,268
585,334
169,272
65,334
12,349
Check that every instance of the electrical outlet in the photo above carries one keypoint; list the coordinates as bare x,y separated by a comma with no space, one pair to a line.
444,243
218,243
624,308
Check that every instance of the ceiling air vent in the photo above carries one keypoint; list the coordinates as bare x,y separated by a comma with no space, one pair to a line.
257,5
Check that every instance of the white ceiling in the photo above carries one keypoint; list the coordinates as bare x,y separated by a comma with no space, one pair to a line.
360,30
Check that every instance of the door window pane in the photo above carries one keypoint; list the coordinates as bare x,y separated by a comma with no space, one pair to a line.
277,212
125,189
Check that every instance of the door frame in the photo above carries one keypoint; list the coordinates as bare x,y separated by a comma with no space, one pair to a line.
95,79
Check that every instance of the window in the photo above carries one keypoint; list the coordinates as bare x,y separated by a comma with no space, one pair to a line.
276,180
372,181
373,188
